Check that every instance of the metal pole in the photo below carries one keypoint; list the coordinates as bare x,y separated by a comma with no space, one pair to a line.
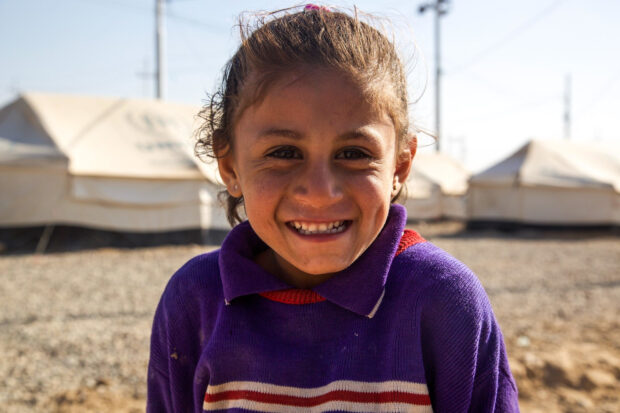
45,239
160,37
440,7
567,96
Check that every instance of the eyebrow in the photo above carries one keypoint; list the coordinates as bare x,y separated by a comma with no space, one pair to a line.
347,136
277,132
358,135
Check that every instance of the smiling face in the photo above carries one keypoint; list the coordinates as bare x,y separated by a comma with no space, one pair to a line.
317,167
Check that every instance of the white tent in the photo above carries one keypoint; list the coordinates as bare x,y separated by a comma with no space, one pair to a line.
550,182
115,164
436,188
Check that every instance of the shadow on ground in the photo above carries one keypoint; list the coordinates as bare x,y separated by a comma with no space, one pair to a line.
25,240
502,230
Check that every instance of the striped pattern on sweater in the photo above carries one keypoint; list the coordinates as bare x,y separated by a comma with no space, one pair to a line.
341,395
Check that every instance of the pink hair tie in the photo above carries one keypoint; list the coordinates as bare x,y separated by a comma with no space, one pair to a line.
311,6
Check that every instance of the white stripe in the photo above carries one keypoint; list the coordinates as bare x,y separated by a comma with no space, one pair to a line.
328,406
374,310
347,385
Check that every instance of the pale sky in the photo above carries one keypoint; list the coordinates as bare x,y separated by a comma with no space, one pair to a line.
505,62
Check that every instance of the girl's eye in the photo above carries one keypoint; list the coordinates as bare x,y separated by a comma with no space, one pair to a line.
285,152
352,154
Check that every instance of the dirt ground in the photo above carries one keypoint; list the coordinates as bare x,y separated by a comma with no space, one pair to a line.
74,326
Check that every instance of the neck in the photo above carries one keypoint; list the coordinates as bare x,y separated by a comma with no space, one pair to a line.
284,271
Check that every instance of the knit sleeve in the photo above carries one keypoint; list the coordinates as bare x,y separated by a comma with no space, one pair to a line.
169,385
174,383
158,380
463,349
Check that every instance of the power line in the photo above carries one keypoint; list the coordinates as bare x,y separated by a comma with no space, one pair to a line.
518,108
194,22
127,6
517,31
602,93
144,10
493,87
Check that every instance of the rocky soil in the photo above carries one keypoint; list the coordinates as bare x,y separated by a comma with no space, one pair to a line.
74,326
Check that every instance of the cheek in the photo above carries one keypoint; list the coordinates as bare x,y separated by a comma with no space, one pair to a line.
262,194
378,183
258,183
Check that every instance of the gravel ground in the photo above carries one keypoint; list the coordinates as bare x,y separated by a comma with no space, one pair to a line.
74,326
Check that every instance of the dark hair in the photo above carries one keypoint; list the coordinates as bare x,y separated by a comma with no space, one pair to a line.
286,40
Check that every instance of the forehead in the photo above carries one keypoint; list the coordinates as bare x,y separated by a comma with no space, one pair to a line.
313,97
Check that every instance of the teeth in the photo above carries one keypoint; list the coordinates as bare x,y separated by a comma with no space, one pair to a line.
322,228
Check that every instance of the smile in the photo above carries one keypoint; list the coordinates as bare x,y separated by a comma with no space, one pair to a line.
313,228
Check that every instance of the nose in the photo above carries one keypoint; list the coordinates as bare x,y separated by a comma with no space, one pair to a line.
317,184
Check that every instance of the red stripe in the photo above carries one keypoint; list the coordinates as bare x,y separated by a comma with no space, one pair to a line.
409,238
336,395
294,296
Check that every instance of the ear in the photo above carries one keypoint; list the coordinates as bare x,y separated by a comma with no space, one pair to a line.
228,172
403,163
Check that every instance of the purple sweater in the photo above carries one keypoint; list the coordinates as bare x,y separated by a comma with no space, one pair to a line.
405,328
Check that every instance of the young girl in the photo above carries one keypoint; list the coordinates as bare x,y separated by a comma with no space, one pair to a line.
321,300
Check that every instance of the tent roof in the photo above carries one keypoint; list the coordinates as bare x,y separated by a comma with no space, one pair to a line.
556,164
439,169
23,141
105,137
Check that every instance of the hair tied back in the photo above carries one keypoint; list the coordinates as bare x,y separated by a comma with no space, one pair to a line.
310,7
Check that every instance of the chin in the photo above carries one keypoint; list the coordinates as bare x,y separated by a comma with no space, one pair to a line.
324,268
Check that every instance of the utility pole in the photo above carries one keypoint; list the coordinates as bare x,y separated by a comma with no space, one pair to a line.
160,50
567,96
441,8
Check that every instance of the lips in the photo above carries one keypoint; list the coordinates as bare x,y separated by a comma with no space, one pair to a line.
316,228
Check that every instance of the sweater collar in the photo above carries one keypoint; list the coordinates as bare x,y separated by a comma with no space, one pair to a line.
358,288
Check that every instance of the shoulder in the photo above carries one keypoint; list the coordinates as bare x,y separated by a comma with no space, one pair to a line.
198,277
441,282
428,265
191,298
197,270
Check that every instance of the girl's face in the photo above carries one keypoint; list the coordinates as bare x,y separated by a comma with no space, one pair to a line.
317,167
